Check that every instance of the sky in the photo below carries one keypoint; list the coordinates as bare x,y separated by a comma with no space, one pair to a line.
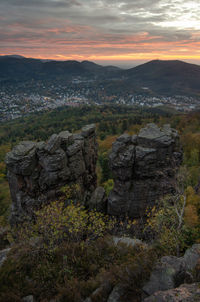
124,33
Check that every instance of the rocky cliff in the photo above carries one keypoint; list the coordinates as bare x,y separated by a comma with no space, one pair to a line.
38,171
144,169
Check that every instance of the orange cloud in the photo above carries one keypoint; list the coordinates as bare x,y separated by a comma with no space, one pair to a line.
75,42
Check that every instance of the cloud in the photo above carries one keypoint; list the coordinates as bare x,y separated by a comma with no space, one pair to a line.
99,27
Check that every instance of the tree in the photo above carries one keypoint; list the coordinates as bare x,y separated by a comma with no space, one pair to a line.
174,223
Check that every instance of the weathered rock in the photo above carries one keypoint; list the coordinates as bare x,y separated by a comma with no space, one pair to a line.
192,257
29,298
3,255
144,169
22,159
117,294
172,271
66,139
88,131
38,171
128,241
98,200
53,144
101,294
163,276
184,293
88,299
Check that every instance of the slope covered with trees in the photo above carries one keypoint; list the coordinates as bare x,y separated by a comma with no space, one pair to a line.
70,251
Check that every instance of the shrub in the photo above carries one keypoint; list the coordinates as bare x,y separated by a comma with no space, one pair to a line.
108,185
56,223
73,270
174,224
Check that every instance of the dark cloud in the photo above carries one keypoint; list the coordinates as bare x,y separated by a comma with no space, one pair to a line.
34,3
121,26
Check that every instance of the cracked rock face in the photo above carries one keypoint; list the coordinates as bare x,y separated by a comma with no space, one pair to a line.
144,169
37,171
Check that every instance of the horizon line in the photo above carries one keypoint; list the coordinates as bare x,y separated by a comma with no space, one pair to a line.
136,62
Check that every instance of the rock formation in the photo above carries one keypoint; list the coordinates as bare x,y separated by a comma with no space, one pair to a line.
171,272
168,281
144,169
184,293
38,171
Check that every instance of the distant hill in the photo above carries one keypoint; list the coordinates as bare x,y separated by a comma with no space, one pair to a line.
166,77
154,77
13,56
11,68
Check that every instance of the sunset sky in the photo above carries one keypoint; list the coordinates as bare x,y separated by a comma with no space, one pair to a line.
116,32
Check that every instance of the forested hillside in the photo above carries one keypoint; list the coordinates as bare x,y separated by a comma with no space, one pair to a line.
111,122
70,268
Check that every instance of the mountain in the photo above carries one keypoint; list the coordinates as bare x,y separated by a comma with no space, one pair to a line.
155,77
26,69
166,77
95,67
13,56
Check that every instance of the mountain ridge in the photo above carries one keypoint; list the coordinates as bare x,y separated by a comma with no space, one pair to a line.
161,77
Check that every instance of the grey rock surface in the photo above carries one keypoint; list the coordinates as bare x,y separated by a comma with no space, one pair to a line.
144,169
29,298
192,257
126,240
98,200
38,171
172,271
3,255
184,293
117,294
101,293
163,276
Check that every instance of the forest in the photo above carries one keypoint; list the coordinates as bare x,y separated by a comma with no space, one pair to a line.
56,265
111,121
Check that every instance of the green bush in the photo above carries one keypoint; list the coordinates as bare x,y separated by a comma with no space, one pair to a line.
56,223
73,270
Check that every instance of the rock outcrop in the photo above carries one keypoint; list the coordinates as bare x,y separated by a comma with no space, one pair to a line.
3,255
98,200
170,272
144,169
38,171
184,293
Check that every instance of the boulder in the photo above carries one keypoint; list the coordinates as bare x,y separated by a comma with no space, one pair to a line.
101,294
164,274
127,241
117,294
88,130
29,298
172,271
192,257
